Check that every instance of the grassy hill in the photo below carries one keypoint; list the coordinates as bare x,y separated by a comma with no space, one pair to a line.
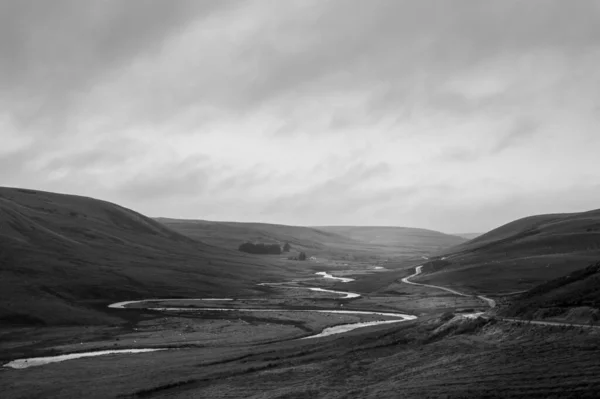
63,258
232,234
467,236
405,239
352,243
571,298
520,254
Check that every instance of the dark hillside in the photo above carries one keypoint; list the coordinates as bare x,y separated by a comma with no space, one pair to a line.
232,234
574,297
521,254
62,256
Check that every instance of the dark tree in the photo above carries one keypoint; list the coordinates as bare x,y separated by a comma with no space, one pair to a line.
260,248
302,256
287,247
274,249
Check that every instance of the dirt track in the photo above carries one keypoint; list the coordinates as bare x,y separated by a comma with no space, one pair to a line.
418,270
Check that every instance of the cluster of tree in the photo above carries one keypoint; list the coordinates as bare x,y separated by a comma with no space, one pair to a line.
301,256
260,248
287,247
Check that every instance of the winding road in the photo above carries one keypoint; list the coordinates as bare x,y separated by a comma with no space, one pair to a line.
419,269
492,304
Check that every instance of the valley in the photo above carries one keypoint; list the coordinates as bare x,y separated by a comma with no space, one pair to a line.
174,316
203,351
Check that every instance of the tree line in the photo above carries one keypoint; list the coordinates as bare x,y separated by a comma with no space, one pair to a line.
261,248
269,249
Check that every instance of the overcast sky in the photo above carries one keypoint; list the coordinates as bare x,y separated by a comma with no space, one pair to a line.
453,115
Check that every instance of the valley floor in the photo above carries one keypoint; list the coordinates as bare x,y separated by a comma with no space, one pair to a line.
257,354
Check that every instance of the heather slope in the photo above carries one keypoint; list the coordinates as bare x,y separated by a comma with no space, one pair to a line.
351,243
232,234
406,238
571,298
520,254
64,257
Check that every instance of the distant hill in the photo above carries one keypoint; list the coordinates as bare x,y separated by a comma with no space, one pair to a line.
232,234
359,243
571,298
468,236
63,258
520,254
407,239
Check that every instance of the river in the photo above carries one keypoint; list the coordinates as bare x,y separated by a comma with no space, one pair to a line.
339,329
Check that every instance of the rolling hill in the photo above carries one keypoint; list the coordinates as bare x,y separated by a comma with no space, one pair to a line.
232,234
350,243
572,298
405,239
63,258
519,255
467,236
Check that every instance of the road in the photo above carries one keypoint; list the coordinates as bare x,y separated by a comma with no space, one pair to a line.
492,304
545,323
419,269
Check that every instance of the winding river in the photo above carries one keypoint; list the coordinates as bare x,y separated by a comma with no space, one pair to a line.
339,329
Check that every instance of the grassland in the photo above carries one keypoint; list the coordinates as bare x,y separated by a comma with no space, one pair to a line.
574,298
519,255
434,358
63,258
337,242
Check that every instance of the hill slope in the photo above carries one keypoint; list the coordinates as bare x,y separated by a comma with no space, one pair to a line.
354,243
571,298
520,254
408,239
232,234
467,236
62,256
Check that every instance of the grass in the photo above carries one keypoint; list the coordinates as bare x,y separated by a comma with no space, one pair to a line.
349,243
573,298
64,258
519,255
422,359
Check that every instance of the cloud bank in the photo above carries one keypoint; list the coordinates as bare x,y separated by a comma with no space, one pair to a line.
453,115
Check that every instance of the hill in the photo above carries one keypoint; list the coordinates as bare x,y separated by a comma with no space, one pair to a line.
406,239
232,234
572,298
467,236
350,243
63,258
519,255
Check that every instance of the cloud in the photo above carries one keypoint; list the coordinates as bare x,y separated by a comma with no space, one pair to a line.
54,53
304,111
188,177
521,130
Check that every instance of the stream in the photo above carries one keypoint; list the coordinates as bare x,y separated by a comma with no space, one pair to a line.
339,329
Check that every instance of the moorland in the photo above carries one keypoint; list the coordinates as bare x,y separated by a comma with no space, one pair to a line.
76,274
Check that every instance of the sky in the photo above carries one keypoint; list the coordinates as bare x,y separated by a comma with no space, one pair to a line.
451,115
